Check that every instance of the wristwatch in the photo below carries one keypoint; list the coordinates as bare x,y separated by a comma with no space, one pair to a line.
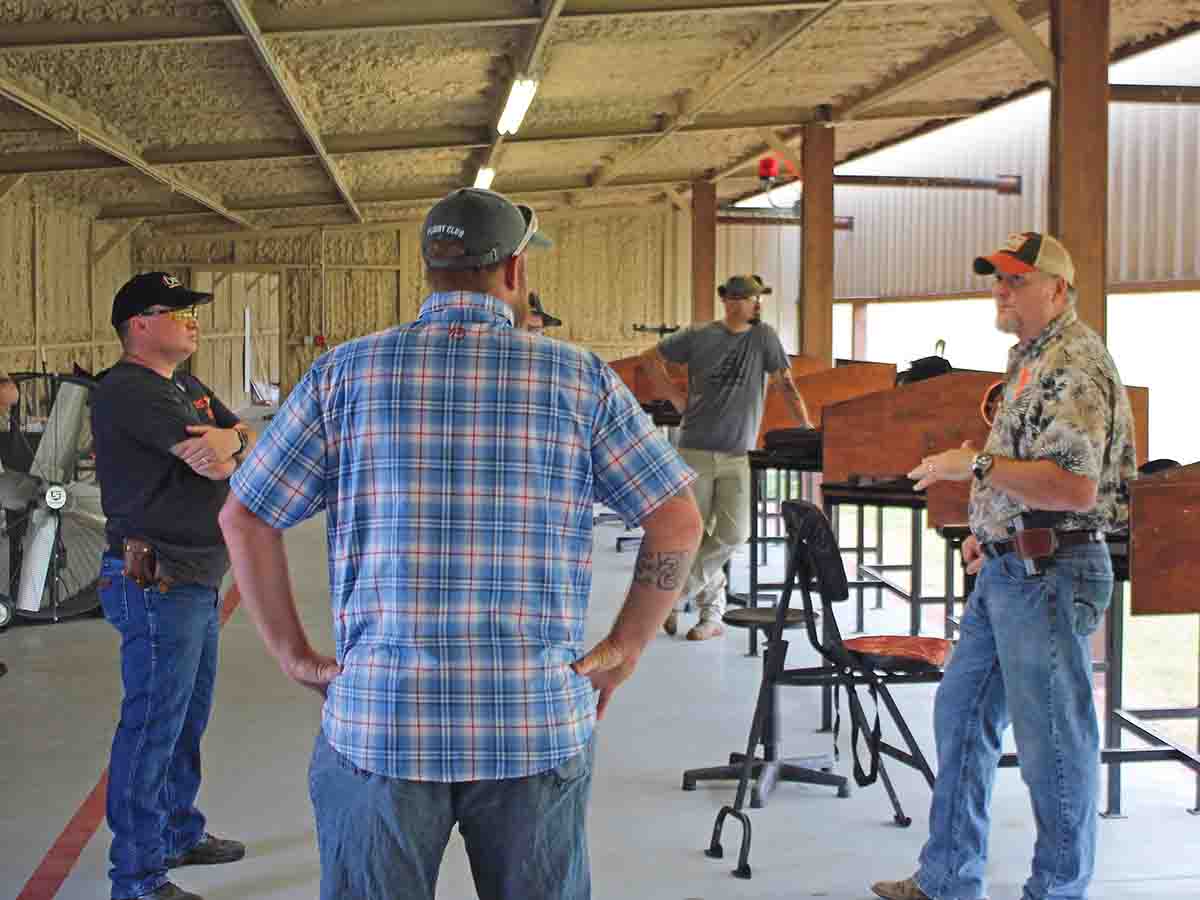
244,442
981,465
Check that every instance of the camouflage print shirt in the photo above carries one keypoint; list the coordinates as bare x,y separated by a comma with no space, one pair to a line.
1063,401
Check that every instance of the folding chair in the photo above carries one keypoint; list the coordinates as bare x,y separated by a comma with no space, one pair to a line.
873,663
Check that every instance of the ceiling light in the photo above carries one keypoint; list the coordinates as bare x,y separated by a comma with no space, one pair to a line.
484,177
520,95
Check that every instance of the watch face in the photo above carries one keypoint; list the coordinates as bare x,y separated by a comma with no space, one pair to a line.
982,464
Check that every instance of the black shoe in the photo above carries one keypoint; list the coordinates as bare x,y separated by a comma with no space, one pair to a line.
168,891
211,851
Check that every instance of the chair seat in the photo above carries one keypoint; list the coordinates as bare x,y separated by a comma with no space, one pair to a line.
888,653
763,617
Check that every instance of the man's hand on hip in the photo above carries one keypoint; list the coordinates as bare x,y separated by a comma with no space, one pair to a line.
313,671
606,665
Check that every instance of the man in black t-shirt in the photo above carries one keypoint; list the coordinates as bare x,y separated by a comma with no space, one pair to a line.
165,448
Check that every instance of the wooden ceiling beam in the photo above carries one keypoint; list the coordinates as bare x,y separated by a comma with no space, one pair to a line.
937,61
531,68
273,67
720,83
345,20
440,140
553,189
67,114
1009,18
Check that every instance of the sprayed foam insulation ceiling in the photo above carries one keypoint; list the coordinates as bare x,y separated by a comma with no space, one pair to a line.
404,96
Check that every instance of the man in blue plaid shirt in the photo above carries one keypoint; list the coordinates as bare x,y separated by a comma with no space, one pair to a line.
457,460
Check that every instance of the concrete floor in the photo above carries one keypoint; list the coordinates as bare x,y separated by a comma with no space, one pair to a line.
688,705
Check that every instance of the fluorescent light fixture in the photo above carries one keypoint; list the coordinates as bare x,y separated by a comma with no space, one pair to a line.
484,177
520,95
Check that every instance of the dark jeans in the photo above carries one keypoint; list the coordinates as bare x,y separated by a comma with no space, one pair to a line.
383,838
168,669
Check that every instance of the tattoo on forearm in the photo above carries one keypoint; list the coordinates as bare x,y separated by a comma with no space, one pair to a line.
664,571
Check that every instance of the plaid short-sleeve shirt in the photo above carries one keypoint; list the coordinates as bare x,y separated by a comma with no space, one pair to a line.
457,460
1063,401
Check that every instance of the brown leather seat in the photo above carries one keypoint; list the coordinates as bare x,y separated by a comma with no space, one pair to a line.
899,653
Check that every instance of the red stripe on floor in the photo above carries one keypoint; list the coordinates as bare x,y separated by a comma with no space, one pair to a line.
64,853
60,859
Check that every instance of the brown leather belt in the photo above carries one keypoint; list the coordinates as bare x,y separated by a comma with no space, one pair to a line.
1065,539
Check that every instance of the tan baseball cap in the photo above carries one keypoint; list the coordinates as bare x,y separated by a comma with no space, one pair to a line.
1029,251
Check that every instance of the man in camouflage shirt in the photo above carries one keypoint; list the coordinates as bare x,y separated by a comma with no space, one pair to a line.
1059,455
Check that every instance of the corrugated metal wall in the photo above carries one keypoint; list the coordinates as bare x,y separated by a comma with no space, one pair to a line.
909,241
50,316
921,241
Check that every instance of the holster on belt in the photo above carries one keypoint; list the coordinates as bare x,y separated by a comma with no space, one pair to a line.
141,565
1036,543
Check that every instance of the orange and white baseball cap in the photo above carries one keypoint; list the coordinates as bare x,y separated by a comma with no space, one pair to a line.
1029,251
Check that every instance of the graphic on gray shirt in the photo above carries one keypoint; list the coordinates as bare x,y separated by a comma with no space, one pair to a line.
726,372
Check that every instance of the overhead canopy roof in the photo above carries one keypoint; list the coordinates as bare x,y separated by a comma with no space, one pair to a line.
197,114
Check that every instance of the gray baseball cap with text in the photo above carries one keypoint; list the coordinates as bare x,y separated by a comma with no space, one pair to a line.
473,229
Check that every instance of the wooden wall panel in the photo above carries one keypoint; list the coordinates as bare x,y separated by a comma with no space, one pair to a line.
16,269
607,271
62,294
49,314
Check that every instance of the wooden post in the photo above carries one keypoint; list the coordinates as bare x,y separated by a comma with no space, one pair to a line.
1078,202
704,251
816,295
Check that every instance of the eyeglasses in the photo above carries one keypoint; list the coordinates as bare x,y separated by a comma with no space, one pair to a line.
184,314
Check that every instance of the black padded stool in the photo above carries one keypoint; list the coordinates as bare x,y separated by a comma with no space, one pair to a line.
770,769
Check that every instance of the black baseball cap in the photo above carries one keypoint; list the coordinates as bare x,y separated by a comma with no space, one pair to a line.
548,320
489,227
149,289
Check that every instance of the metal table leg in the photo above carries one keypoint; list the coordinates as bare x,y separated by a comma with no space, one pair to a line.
914,598
1114,643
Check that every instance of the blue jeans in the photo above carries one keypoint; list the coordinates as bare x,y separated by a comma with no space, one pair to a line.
168,669
383,838
1024,657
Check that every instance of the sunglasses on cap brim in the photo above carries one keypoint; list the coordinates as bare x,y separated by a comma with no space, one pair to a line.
531,227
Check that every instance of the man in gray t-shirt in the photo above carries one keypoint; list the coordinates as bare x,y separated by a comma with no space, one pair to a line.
728,362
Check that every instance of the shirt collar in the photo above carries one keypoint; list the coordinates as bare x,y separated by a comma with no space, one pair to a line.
1037,345
464,306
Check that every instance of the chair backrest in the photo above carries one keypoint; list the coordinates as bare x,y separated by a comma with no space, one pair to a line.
813,554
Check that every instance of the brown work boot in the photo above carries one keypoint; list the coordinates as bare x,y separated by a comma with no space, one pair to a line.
899,890
211,851
671,622
706,629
